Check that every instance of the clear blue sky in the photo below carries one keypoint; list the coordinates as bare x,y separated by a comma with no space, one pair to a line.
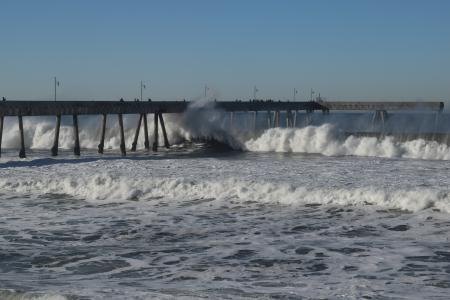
345,49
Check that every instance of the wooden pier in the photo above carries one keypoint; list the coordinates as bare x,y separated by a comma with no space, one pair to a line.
21,109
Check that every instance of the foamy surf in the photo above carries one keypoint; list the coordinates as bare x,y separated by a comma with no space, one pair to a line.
109,188
18,295
240,225
325,140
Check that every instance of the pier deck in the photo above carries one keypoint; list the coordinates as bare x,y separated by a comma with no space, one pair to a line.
53,108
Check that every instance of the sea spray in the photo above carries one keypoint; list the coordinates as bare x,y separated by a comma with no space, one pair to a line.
39,132
202,120
327,140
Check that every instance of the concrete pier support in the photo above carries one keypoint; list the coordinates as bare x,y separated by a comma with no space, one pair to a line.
295,119
231,119
379,119
269,119
146,142
102,135
1,133
308,117
76,148
163,129
22,140
436,122
56,138
136,135
122,136
155,135
276,119
289,119
255,117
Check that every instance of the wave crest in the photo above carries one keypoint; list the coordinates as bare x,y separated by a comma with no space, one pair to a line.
109,188
325,140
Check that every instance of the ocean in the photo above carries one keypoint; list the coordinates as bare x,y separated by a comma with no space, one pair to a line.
287,213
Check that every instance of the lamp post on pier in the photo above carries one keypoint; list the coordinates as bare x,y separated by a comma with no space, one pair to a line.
206,90
143,86
56,83
255,90
312,94
295,93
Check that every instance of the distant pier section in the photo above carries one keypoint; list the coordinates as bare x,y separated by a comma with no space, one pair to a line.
271,108
384,106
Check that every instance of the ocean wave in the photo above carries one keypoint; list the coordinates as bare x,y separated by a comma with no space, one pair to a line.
39,132
325,140
110,188
18,295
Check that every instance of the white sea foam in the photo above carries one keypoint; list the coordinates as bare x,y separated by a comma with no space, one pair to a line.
200,121
111,188
325,140
39,132
17,295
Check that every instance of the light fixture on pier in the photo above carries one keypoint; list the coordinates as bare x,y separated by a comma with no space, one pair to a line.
143,86
56,83
206,90
255,90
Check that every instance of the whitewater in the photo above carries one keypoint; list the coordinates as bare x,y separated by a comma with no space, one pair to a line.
282,213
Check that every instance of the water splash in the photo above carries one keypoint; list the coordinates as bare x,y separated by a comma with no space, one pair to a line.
326,140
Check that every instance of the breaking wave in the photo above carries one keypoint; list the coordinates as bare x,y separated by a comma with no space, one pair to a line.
326,140
39,132
109,188
17,295
210,123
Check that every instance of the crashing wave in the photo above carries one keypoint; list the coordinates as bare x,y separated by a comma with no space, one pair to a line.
109,188
325,140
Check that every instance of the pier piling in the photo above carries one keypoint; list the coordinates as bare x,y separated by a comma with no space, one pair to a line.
22,140
379,119
163,129
276,119
20,109
56,139
101,145
231,119
289,119
155,135
1,133
308,117
76,148
136,135
269,119
122,136
146,142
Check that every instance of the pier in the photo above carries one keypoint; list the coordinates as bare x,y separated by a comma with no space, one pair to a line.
21,109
